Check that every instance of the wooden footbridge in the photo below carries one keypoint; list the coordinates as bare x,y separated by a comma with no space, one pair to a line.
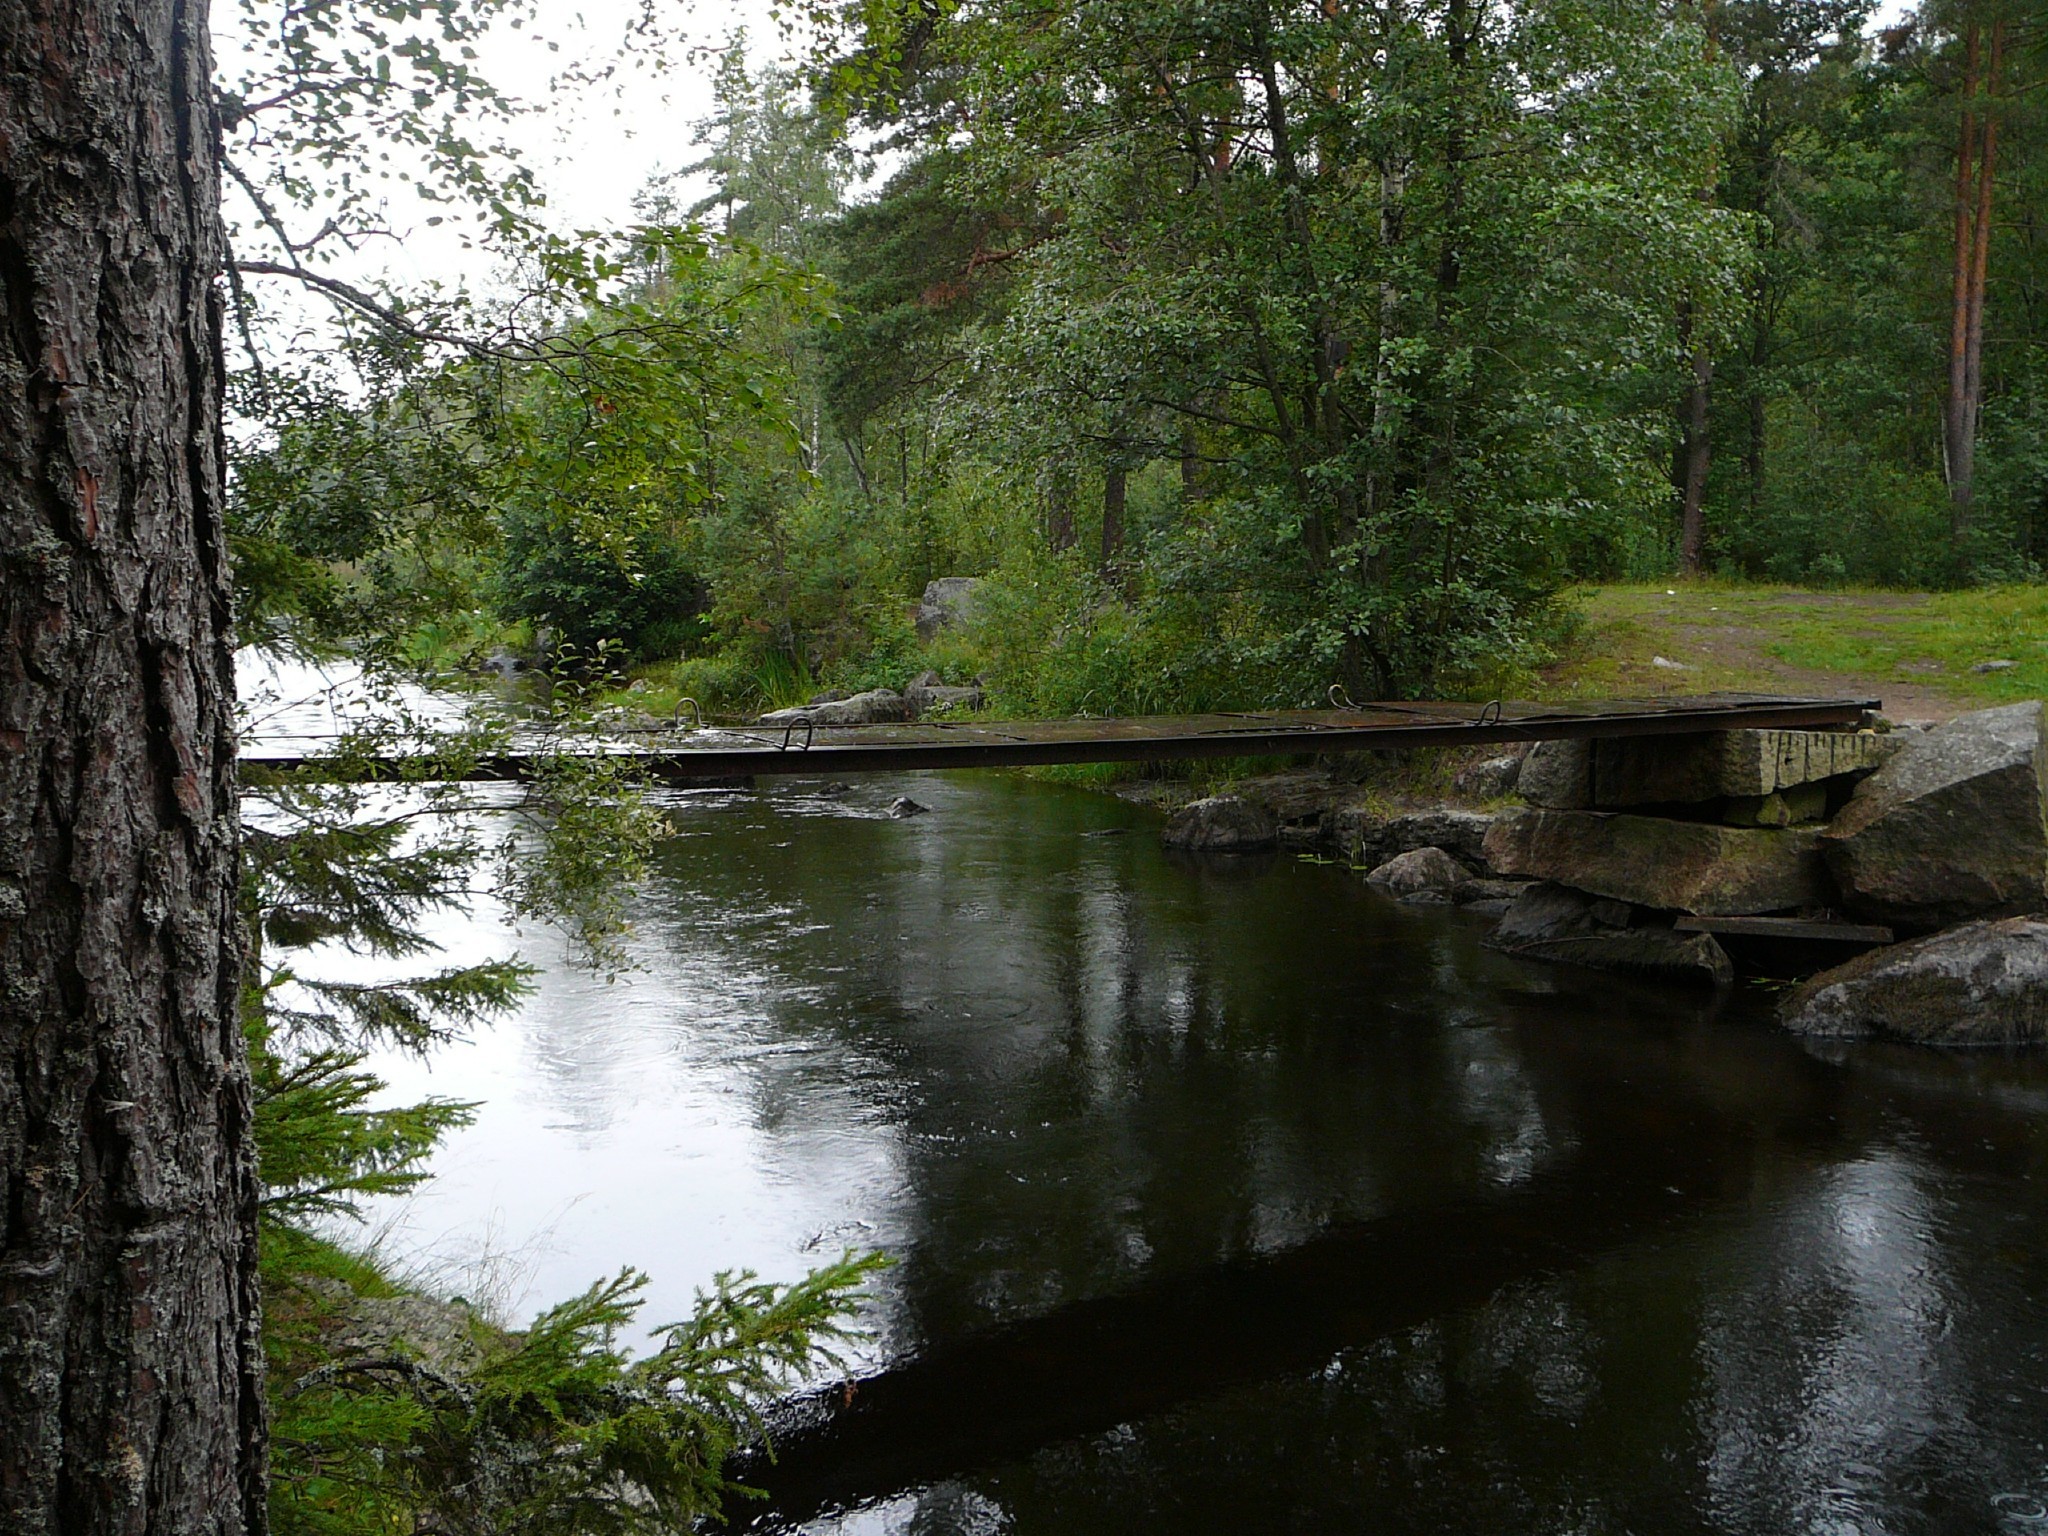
695,752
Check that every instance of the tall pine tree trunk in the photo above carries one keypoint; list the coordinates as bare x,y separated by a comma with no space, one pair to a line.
1692,452
1115,484
1058,480
1696,456
1980,266
1976,172
130,1368
1755,411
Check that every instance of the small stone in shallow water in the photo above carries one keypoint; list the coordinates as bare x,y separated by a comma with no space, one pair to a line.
903,806
1221,824
1421,875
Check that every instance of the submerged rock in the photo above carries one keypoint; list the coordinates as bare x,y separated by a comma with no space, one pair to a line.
1550,922
1490,898
1547,911
1953,828
903,806
1684,866
1222,824
1420,875
1985,983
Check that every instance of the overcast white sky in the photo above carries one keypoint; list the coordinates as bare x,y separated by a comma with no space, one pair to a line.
591,149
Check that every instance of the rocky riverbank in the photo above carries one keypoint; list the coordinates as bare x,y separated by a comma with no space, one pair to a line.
1905,866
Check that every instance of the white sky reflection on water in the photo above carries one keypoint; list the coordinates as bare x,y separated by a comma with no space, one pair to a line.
625,1123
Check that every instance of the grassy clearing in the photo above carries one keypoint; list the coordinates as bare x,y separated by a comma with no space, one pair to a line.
1919,648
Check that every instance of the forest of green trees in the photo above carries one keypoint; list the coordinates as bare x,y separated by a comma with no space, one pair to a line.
1242,349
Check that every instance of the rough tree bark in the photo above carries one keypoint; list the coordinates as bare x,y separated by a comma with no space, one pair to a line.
130,1368
1058,480
1695,455
1115,484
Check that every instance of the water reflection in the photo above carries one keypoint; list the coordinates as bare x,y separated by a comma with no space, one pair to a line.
1233,1198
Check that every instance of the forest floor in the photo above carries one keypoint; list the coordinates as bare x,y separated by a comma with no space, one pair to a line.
1917,651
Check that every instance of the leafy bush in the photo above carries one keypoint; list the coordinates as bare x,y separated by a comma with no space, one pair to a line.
645,597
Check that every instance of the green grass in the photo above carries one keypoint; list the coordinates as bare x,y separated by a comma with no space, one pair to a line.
1786,639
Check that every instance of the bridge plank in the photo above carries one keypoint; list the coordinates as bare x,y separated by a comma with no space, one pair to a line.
683,755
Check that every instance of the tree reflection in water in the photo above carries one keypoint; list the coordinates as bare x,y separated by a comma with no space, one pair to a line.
1235,1199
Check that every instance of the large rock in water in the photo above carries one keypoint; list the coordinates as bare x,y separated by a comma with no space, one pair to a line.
878,706
1548,922
1420,875
1953,828
1683,866
1672,770
1221,824
1981,984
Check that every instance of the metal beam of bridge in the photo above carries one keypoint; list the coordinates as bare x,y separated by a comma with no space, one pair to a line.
715,752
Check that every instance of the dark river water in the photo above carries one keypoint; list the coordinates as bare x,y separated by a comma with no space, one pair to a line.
1239,1199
